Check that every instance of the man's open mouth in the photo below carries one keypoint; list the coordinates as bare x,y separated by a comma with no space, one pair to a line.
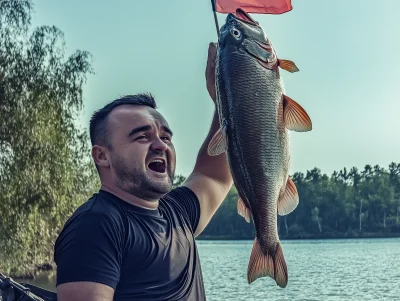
158,165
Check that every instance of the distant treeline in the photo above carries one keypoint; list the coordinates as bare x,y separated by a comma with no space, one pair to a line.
349,203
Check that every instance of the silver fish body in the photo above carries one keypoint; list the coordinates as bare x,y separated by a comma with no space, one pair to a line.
254,133
250,103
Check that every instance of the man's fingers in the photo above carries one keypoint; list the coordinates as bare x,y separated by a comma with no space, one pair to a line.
212,50
210,69
212,54
212,45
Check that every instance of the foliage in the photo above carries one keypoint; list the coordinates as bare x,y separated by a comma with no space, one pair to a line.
347,204
178,180
45,167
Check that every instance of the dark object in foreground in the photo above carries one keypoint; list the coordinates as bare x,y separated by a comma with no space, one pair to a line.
14,291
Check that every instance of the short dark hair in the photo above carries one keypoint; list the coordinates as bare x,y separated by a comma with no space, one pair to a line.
99,124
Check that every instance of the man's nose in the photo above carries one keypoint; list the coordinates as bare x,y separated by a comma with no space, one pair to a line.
159,145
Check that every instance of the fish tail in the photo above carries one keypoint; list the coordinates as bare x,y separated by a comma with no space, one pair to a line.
270,264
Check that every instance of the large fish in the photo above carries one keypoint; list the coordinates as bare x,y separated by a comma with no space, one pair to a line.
255,117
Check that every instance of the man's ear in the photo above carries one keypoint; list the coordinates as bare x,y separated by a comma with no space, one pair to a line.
100,156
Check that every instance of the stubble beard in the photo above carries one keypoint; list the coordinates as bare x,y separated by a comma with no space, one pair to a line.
138,183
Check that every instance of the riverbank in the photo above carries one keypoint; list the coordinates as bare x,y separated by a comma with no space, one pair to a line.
300,236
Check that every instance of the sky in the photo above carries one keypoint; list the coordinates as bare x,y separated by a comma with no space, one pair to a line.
347,53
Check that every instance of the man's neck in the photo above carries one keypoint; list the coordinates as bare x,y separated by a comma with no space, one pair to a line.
130,198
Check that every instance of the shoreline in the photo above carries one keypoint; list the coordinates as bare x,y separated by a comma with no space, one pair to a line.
307,236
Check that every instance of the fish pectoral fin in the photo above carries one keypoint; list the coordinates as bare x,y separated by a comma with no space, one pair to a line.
243,210
289,200
268,263
218,143
288,65
295,117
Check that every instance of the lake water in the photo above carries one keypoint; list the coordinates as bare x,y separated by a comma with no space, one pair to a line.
326,270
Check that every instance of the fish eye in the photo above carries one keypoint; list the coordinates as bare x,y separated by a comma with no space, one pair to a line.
236,33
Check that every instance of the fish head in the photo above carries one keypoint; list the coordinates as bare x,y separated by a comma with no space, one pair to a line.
242,32
238,27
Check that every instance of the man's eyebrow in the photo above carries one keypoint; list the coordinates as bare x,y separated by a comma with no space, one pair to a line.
167,129
139,129
145,128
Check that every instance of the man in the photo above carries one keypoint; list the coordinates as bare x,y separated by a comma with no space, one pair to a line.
135,238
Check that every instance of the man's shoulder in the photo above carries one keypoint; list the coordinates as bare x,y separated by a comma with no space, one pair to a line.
96,218
100,208
89,246
180,192
183,203
178,196
101,202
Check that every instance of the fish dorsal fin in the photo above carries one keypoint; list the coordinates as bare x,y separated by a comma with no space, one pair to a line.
218,143
288,65
289,200
243,210
296,118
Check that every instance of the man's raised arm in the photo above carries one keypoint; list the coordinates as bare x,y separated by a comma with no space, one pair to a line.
211,178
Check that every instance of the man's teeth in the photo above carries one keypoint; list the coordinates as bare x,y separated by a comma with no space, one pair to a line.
157,161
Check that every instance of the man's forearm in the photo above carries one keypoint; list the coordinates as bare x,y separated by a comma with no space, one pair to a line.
215,167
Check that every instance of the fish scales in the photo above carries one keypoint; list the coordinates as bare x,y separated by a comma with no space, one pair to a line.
258,115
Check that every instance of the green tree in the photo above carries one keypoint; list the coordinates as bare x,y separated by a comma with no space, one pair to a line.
349,203
178,180
45,165
394,178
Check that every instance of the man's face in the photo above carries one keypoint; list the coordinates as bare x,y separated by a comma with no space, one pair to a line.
142,156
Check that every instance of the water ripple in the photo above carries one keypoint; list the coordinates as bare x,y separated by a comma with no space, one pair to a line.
327,270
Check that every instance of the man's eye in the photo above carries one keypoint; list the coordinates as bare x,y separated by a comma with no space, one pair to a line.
141,137
166,138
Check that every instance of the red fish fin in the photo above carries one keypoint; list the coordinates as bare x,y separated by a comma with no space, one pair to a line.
243,210
288,65
296,118
289,200
271,264
217,144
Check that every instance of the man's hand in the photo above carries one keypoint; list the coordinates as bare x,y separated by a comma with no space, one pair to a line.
210,70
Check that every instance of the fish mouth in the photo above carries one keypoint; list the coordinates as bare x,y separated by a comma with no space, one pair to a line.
241,15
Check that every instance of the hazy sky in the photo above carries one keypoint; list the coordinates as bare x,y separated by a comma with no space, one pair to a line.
347,53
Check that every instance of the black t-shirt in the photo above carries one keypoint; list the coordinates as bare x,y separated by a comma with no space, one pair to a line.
143,254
